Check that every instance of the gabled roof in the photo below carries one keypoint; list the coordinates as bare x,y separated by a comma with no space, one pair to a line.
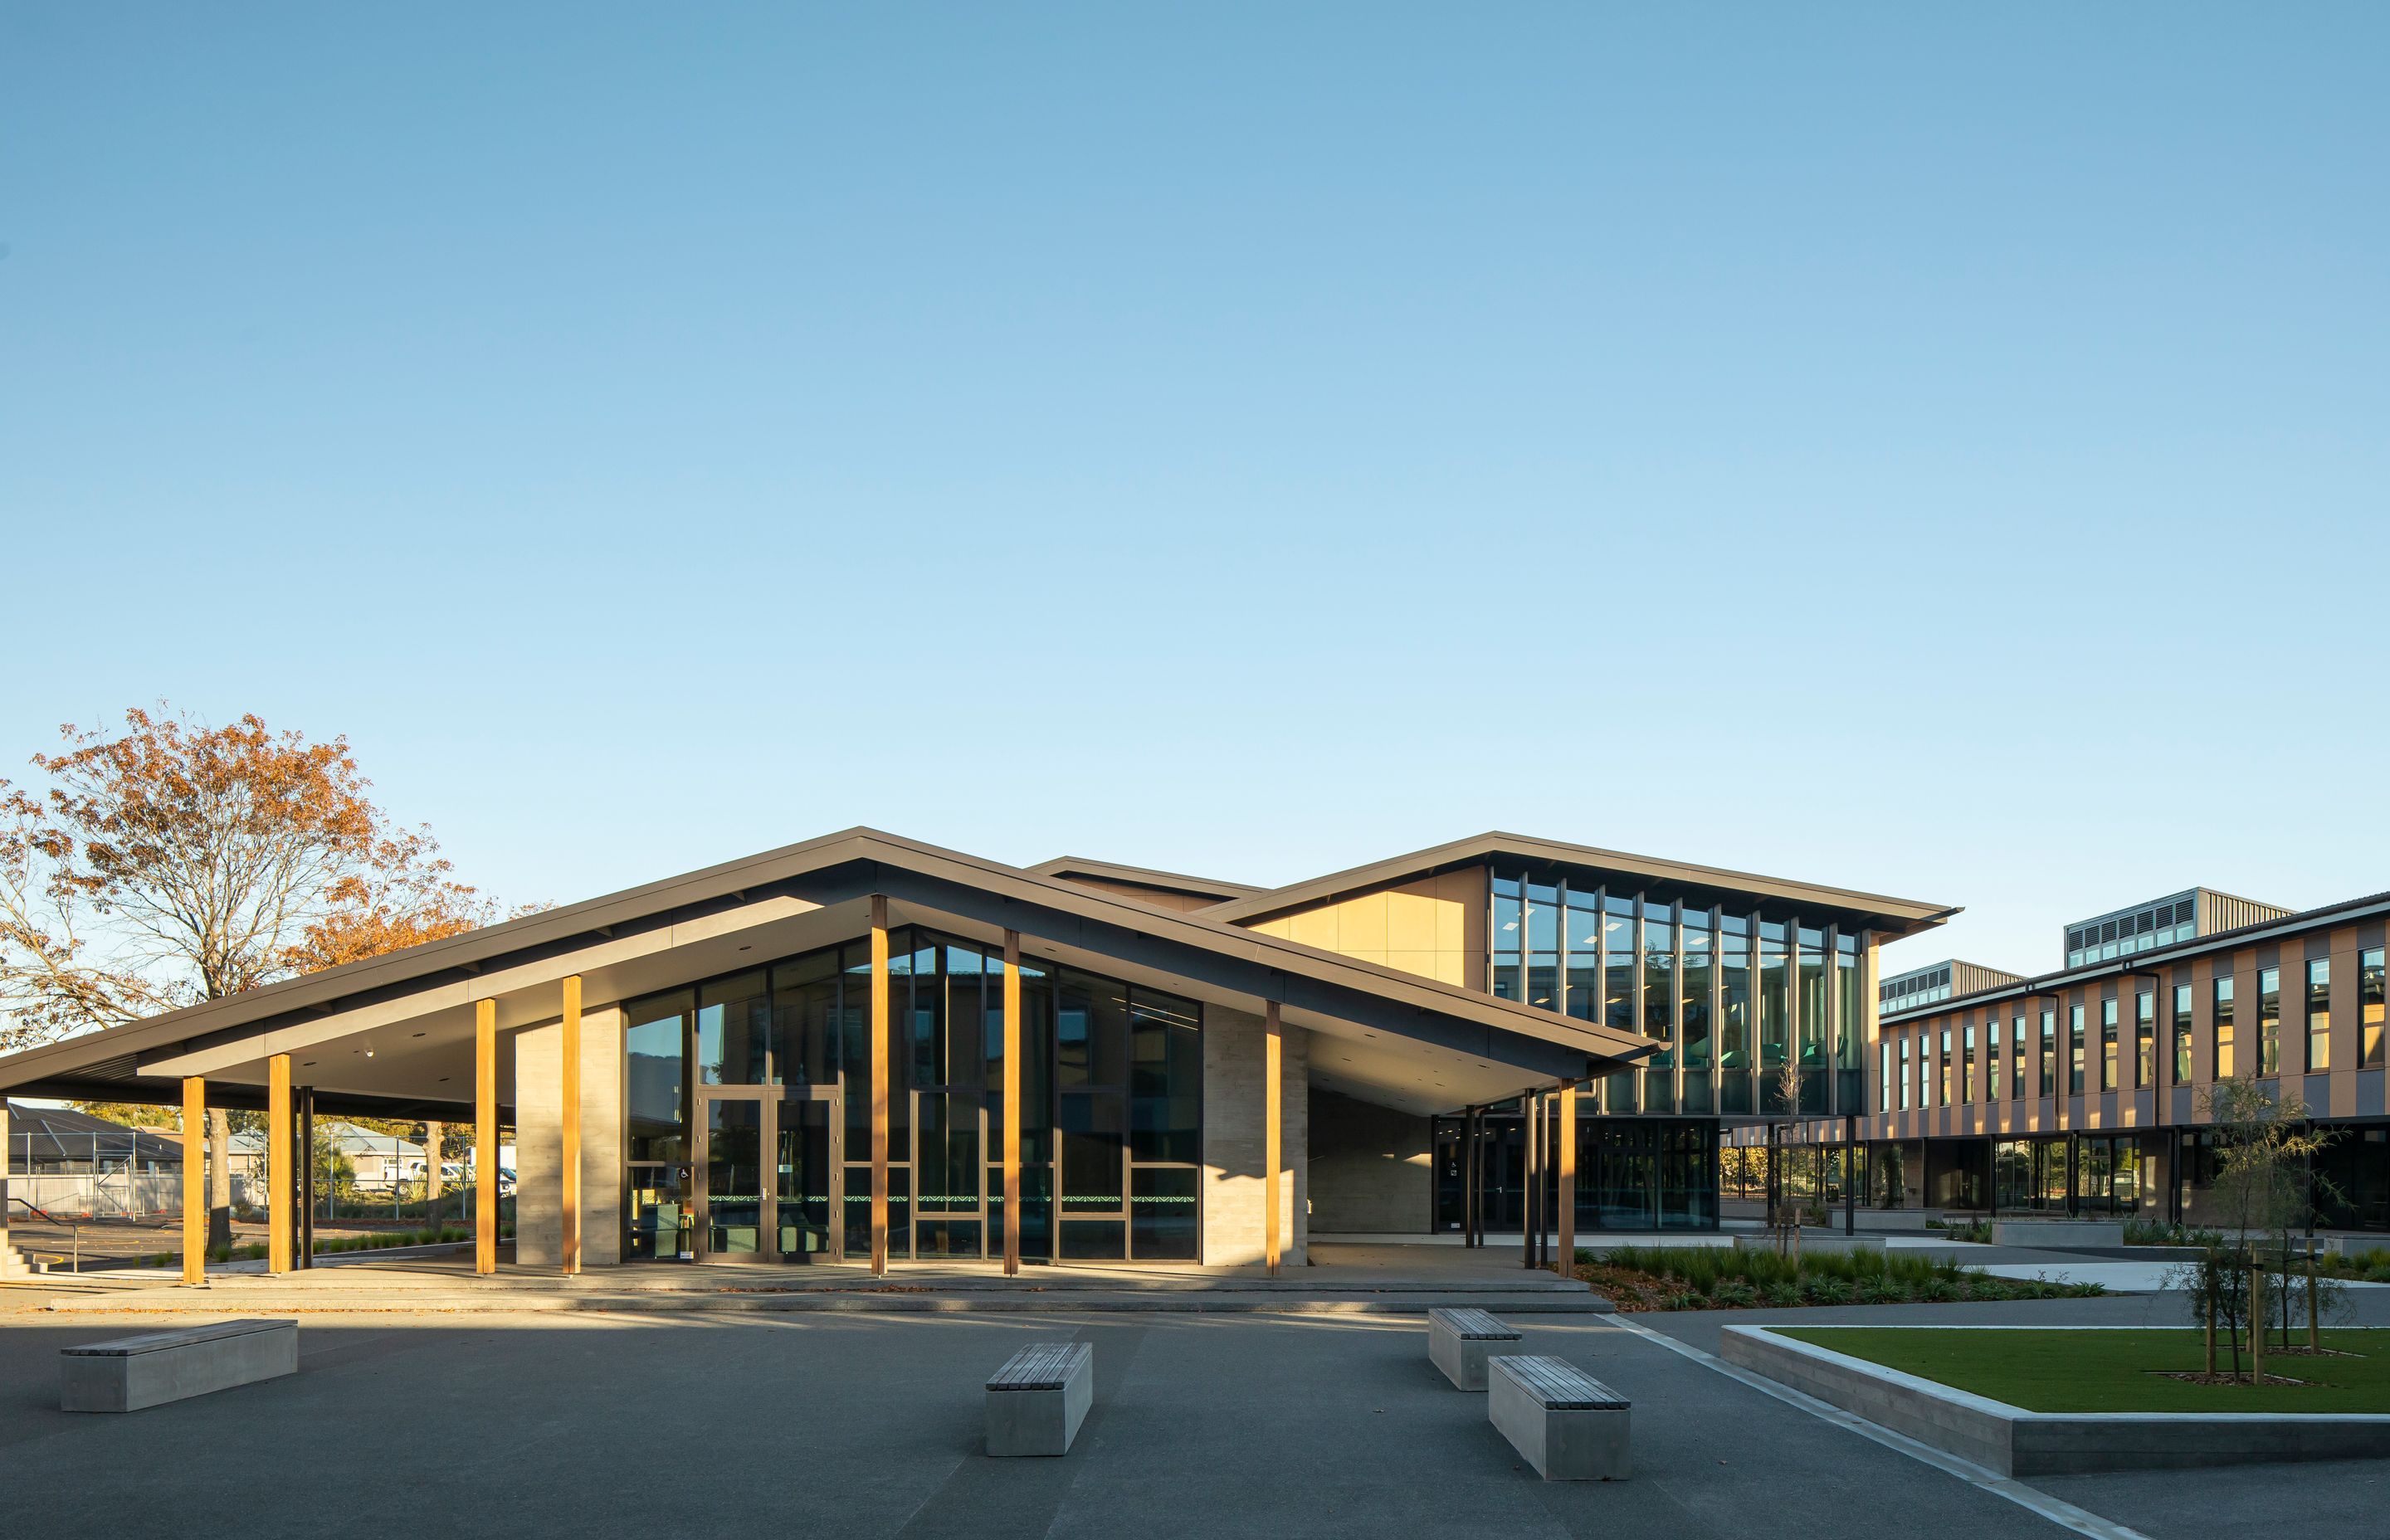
1071,867
1893,916
873,860
64,1132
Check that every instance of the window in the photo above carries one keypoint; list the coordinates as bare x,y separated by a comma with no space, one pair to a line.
1509,940
1993,1087
1543,920
1582,933
1883,1075
2269,1021
2108,1043
1618,962
1967,1067
2182,1034
2370,1002
1943,1065
1904,1072
2049,1053
2318,1016
1775,996
2222,1013
2016,1060
2074,1050
2145,1039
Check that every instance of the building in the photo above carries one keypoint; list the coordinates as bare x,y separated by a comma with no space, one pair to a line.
2085,1090
863,1049
67,1164
1922,986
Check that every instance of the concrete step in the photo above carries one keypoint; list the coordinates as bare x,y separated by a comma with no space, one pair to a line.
17,1262
220,1298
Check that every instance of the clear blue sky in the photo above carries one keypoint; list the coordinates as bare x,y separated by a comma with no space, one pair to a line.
1930,450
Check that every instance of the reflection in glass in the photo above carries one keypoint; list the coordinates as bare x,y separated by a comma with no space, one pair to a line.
734,1177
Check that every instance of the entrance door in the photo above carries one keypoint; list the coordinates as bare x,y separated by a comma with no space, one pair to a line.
767,1173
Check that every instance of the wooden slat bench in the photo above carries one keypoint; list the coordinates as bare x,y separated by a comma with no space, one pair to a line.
157,1366
1458,1342
1037,1400
1569,1425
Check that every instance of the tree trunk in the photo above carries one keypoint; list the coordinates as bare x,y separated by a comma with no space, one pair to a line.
219,1180
431,1135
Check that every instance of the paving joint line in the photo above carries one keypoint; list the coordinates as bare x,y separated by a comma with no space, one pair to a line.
2081,1521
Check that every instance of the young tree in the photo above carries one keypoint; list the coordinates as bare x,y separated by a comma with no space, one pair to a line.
2263,1190
174,862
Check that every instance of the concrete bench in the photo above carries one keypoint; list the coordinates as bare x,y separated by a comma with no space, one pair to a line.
1458,1342
1037,1400
1814,1240
157,1366
1569,1425
2058,1235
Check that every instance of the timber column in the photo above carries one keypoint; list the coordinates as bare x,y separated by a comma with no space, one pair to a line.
879,1010
569,1250
1565,1262
485,1137
1011,1103
1273,1056
195,1179
280,1192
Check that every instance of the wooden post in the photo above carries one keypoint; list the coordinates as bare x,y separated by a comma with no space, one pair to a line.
279,1190
2256,1319
195,1180
2315,1335
1273,1033
1011,1103
1564,1263
569,1252
485,1137
880,1011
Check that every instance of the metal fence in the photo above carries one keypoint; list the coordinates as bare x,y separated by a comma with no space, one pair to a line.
94,1176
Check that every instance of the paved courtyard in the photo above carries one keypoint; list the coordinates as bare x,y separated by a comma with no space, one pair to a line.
870,1425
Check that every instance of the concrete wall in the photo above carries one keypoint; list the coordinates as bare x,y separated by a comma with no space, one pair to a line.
1233,1143
539,1140
1371,1169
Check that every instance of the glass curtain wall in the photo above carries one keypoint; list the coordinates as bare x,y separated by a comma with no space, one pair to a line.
1737,1030
1112,1086
1632,1174
1728,999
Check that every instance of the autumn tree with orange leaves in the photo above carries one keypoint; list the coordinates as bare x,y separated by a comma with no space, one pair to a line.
174,863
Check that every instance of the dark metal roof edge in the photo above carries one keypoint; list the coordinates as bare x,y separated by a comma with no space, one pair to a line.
258,1009
1180,882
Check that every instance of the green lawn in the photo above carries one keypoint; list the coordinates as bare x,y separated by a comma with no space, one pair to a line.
2044,1370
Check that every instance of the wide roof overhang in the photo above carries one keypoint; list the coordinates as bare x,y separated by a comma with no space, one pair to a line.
1546,860
393,1036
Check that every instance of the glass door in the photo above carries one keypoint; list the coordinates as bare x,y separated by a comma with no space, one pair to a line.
730,1202
807,1130
767,1173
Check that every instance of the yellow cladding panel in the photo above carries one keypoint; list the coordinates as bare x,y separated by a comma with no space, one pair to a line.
1411,921
1315,927
1361,924
1282,928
